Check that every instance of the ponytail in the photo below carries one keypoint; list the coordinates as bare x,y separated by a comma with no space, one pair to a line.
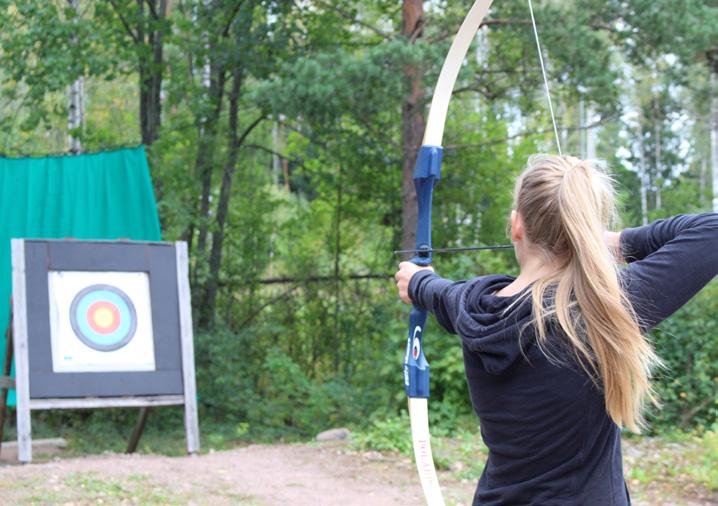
566,205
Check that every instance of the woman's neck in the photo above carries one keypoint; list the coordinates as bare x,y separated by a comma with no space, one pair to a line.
534,265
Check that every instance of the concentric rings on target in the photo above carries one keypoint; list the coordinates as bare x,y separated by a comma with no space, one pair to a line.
103,317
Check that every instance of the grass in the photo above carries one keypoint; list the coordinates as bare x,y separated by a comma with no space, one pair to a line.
109,431
691,459
464,454
680,463
89,487
137,489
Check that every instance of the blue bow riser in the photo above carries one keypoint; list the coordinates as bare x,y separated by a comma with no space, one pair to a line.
426,173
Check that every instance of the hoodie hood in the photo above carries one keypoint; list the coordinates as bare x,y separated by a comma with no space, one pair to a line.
490,326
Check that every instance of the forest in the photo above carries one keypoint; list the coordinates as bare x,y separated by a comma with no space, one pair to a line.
282,136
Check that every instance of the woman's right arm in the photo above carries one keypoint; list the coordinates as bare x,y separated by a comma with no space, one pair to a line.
669,261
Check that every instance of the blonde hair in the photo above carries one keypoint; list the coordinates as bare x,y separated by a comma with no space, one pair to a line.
566,205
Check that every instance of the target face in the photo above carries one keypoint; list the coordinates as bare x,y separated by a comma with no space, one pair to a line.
103,317
100,321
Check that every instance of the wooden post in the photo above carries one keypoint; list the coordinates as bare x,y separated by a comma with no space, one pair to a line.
139,428
6,382
22,363
191,422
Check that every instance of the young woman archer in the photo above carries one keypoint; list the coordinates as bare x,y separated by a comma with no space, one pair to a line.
556,359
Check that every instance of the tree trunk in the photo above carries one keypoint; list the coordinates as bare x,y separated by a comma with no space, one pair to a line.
643,176
76,115
582,131
218,69
204,161
657,123
209,300
212,16
337,345
412,123
590,135
207,310
280,165
151,67
277,148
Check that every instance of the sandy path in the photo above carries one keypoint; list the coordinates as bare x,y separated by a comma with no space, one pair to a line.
302,475
326,474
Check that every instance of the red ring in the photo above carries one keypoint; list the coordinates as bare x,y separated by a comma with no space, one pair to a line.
102,304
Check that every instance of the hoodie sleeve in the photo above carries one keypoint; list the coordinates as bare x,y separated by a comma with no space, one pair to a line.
669,261
441,296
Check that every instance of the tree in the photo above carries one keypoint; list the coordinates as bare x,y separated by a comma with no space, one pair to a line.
145,25
413,123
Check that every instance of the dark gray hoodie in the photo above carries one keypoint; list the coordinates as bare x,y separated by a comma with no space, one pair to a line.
550,440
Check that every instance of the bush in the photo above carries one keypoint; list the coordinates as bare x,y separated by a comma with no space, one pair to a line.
386,434
688,344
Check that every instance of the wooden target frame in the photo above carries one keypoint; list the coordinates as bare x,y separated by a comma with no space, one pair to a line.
167,380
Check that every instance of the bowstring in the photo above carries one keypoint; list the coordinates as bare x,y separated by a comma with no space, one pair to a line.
545,79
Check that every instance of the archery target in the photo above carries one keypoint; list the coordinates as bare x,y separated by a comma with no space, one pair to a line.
100,321
103,317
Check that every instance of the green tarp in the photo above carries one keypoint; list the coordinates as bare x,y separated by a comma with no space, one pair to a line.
105,195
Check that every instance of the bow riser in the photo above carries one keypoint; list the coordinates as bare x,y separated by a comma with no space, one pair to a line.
427,172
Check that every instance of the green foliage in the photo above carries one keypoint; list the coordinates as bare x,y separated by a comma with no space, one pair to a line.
44,47
274,400
688,344
707,470
386,434
290,401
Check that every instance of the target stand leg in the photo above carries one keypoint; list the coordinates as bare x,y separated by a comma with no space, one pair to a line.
6,381
139,428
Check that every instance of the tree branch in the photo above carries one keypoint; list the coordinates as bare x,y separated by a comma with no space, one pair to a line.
261,308
128,29
230,19
249,129
153,11
272,152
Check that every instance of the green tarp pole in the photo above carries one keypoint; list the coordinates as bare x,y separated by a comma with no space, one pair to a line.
106,195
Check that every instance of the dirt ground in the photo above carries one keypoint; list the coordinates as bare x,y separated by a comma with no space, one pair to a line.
311,475
318,474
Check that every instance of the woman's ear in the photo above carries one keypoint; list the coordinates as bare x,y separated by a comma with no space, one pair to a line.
517,226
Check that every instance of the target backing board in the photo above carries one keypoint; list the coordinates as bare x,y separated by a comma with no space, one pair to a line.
101,324
100,321
77,292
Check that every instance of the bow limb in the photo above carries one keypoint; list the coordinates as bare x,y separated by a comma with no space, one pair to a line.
434,133
426,173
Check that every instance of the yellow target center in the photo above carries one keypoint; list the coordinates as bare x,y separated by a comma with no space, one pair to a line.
103,317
